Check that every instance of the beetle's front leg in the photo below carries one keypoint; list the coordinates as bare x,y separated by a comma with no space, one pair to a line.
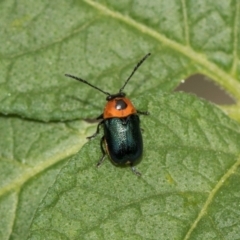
96,133
143,112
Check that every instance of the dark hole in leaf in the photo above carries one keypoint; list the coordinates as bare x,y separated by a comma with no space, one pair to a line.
205,88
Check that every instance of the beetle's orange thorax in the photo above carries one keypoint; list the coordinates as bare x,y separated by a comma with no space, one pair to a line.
118,107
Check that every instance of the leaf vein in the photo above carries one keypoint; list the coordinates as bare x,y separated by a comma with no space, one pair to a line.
235,39
185,20
211,196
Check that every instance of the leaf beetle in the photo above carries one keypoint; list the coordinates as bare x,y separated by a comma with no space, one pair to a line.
122,133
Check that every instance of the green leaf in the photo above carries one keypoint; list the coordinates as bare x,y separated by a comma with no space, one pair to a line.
190,179
189,155
32,153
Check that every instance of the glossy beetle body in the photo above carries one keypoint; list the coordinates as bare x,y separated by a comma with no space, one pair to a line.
122,138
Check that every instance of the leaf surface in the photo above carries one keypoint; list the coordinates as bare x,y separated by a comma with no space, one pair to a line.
190,179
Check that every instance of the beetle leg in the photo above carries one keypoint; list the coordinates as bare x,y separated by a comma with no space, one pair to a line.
135,171
100,117
143,112
103,152
97,132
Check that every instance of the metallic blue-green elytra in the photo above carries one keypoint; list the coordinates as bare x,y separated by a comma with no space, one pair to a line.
123,139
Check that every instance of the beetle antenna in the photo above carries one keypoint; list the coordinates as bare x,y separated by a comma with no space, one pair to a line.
84,81
134,70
